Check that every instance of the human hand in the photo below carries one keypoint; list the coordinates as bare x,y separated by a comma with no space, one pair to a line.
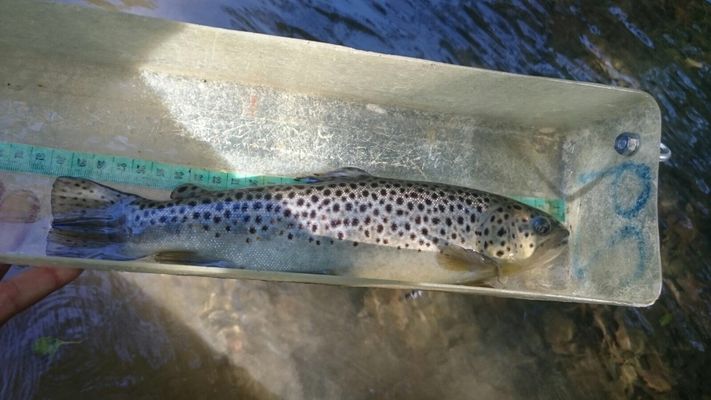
28,287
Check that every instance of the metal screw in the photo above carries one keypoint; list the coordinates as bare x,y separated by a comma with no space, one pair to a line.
627,143
664,152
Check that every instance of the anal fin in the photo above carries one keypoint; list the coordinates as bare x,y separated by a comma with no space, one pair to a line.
189,258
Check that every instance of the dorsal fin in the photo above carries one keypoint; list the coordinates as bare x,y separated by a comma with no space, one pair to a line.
188,190
341,173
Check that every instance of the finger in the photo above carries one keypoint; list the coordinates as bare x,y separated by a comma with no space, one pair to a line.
30,286
21,206
3,270
17,210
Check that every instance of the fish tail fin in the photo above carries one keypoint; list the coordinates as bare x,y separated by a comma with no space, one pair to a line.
89,220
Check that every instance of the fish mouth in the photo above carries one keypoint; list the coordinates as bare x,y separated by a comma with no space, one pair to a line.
550,250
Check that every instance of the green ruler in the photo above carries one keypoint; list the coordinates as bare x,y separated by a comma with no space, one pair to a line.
16,157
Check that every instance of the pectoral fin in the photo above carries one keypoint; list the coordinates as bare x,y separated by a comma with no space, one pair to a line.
456,258
189,258
341,173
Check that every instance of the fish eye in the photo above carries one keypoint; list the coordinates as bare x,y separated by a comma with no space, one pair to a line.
541,225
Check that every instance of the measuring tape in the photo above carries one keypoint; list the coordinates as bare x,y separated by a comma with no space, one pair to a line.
16,157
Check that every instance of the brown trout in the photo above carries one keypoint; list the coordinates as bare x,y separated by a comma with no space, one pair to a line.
345,222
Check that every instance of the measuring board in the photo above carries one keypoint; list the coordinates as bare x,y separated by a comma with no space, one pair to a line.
16,157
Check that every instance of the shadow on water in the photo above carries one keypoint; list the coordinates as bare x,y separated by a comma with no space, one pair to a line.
125,345
303,341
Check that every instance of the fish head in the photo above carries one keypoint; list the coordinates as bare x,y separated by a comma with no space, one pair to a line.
549,238
523,235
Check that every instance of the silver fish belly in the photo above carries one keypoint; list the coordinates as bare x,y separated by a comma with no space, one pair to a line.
346,222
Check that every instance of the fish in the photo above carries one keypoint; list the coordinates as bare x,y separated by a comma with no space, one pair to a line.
344,222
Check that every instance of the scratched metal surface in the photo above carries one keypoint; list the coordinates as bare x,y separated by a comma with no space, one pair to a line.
184,337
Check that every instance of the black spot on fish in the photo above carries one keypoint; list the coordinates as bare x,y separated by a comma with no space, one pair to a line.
448,221
246,218
363,207
206,215
388,208
206,201
196,215
258,219
290,236
486,231
206,227
217,220
336,207
420,206
287,212
349,206
460,220
264,228
252,230
192,203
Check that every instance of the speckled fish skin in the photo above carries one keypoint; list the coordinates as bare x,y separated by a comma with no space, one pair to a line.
346,222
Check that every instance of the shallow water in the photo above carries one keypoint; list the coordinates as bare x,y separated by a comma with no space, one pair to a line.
150,335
